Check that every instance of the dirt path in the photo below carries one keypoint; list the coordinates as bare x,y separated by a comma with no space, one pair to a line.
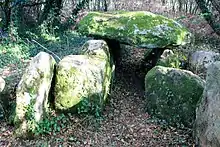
128,124
124,123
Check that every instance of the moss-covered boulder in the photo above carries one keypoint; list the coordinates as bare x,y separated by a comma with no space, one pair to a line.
32,94
172,94
83,81
137,28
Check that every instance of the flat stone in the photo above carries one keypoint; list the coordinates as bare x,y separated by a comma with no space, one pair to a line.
137,28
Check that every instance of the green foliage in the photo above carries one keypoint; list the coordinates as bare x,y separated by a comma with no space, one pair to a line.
49,11
50,25
86,106
11,112
15,52
206,14
180,18
29,115
61,44
176,60
51,125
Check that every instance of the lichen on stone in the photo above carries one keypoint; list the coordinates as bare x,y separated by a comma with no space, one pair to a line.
87,76
138,28
172,94
32,93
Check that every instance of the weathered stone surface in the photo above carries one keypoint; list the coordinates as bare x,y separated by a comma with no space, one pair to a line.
84,77
11,78
167,59
32,93
172,94
166,53
137,28
2,84
208,112
200,60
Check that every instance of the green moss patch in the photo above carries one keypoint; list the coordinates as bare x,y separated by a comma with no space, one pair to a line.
32,94
140,28
172,94
84,78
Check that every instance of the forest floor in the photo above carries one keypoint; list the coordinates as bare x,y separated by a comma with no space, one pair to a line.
124,122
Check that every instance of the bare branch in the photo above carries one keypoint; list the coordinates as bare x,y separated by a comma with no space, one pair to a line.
46,49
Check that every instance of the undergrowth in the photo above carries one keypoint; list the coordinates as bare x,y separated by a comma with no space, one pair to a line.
51,125
15,52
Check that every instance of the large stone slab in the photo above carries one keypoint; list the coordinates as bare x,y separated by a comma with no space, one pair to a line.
172,94
137,28
208,111
84,78
32,93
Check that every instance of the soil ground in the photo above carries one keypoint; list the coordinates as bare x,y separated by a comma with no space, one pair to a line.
124,123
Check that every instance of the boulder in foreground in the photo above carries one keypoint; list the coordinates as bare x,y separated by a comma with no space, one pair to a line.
172,94
83,81
208,112
32,94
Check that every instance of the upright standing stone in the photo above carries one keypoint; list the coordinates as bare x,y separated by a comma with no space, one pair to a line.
84,77
32,93
208,111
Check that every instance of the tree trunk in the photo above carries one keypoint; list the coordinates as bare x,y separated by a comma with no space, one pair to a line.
216,4
57,10
163,2
208,16
105,6
79,6
46,11
7,13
